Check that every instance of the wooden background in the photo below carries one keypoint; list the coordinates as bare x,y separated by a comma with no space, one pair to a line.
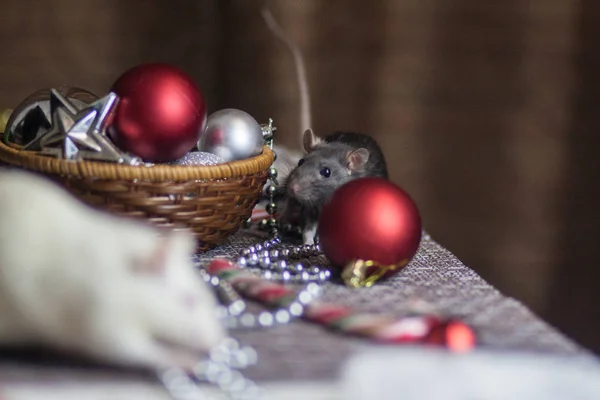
486,110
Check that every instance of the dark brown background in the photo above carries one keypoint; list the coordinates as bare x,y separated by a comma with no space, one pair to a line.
486,110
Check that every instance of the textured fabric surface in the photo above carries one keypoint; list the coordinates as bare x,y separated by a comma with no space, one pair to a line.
309,352
305,352
485,111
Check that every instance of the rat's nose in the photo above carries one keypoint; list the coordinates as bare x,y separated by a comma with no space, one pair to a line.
295,188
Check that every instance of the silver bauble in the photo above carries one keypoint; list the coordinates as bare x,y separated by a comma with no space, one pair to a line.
198,158
232,135
33,116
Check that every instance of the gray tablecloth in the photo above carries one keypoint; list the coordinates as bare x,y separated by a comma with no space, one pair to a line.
302,351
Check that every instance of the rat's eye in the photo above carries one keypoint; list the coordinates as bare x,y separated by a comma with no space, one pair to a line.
301,161
326,172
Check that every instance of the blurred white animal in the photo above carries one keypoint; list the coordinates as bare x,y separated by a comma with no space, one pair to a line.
82,281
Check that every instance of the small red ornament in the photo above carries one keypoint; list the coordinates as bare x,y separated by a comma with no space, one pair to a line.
454,335
371,228
160,115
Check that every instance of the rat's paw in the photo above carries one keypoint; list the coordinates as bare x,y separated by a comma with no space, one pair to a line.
131,346
308,235
307,239
152,325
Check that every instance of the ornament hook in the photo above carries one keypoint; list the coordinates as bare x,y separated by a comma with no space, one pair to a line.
268,132
4,116
356,273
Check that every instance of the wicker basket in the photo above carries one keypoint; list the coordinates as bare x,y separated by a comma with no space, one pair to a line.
211,201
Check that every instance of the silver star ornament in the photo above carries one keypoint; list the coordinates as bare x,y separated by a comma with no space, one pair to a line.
80,135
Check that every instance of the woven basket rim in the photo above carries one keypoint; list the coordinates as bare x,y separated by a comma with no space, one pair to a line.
114,171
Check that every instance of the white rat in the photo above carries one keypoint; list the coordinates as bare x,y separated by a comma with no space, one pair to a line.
104,287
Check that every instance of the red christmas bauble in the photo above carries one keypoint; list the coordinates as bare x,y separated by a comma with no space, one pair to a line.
160,114
454,335
370,219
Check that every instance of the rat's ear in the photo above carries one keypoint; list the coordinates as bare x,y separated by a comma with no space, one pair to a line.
357,159
155,260
310,140
149,258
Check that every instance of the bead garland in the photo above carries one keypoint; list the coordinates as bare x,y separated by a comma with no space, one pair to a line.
234,313
221,368
271,260
271,208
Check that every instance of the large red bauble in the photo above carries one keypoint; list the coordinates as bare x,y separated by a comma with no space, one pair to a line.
370,219
161,112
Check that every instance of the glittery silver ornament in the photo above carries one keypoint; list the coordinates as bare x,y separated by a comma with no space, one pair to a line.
198,158
232,135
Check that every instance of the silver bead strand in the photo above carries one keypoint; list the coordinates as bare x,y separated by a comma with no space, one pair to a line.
221,369
234,315
271,207
273,260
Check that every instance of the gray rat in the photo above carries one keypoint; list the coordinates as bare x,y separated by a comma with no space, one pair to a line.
329,163
306,183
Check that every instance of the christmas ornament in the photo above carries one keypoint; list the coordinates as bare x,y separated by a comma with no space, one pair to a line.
260,214
33,116
268,133
161,112
371,228
452,333
4,119
379,328
232,135
198,158
78,135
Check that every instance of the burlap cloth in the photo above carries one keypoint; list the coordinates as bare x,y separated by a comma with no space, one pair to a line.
302,351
